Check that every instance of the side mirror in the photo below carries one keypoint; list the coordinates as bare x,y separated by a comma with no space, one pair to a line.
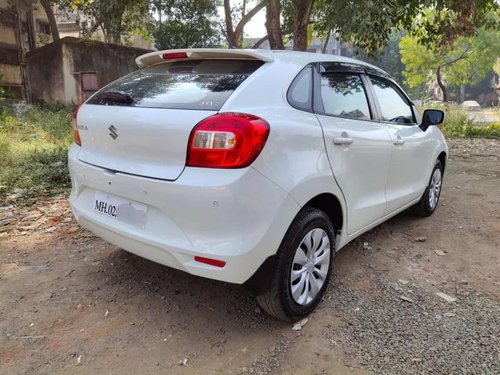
431,117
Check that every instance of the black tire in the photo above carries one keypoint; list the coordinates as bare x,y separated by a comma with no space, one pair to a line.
278,300
423,207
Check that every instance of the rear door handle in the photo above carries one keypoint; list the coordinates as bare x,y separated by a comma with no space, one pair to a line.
399,141
342,140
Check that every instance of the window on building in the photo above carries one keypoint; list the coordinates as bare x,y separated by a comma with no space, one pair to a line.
43,27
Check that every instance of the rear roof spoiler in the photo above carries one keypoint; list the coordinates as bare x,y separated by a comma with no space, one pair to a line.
156,57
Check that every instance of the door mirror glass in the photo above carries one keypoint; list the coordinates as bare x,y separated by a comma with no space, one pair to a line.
431,117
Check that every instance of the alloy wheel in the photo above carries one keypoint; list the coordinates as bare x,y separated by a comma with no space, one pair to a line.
435,188
310,266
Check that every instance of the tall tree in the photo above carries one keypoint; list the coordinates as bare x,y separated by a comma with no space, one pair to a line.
467,60
273,24
115,18
47,6
301,14
184,23
368,24
288,19
234,35
452,19
388,58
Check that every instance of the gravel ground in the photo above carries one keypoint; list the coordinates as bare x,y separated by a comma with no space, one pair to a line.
72,304
404,329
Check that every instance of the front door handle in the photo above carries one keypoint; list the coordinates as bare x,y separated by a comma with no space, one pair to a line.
399,141
342,140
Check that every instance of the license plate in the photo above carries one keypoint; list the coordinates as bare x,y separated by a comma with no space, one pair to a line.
122,209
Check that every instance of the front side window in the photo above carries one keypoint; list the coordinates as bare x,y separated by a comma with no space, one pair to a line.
393,106
344,95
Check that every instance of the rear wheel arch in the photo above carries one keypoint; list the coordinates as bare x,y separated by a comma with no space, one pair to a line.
330,205
278,298
325,202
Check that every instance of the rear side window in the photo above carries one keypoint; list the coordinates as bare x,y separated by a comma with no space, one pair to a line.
344,95
300,92
192,84
393,106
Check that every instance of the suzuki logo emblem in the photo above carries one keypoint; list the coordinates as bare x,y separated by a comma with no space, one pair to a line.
113,132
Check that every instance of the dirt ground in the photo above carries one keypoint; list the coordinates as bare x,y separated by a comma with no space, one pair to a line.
72,304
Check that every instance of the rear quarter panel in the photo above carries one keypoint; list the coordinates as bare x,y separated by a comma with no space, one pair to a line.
294,156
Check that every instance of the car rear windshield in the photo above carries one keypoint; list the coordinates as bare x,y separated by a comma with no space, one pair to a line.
192,84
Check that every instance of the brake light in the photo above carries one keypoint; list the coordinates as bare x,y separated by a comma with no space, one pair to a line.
76,134
174,55
227,140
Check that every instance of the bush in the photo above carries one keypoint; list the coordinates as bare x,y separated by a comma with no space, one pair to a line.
459,124
33,149
34,142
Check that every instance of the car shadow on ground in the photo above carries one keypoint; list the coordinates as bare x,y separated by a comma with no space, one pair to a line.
180,296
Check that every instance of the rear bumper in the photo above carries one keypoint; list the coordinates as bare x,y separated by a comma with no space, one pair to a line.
238,216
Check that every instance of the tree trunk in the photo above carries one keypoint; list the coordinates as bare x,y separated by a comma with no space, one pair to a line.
238,31
47,6
159,9
273,24
116,38
301,12
234,36
230,36
323,50
106,31
441,84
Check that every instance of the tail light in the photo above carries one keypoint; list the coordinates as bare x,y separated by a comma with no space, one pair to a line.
227,140
76,134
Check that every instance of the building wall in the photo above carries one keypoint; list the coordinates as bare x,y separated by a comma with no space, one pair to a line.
21,29
11,79
44,70
61,72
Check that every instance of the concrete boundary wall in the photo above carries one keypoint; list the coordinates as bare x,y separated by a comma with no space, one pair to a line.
71,69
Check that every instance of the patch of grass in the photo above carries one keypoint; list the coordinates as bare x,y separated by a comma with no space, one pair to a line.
33,149
459,124
34,142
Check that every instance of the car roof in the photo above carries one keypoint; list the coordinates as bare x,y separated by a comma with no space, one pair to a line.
308,57
265,55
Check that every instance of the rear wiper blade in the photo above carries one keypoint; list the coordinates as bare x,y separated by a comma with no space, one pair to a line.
115,97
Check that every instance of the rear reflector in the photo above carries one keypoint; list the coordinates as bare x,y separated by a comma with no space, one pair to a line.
212,262
227,140
76,134
175,55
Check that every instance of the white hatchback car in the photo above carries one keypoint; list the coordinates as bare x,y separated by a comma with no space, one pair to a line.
251,167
